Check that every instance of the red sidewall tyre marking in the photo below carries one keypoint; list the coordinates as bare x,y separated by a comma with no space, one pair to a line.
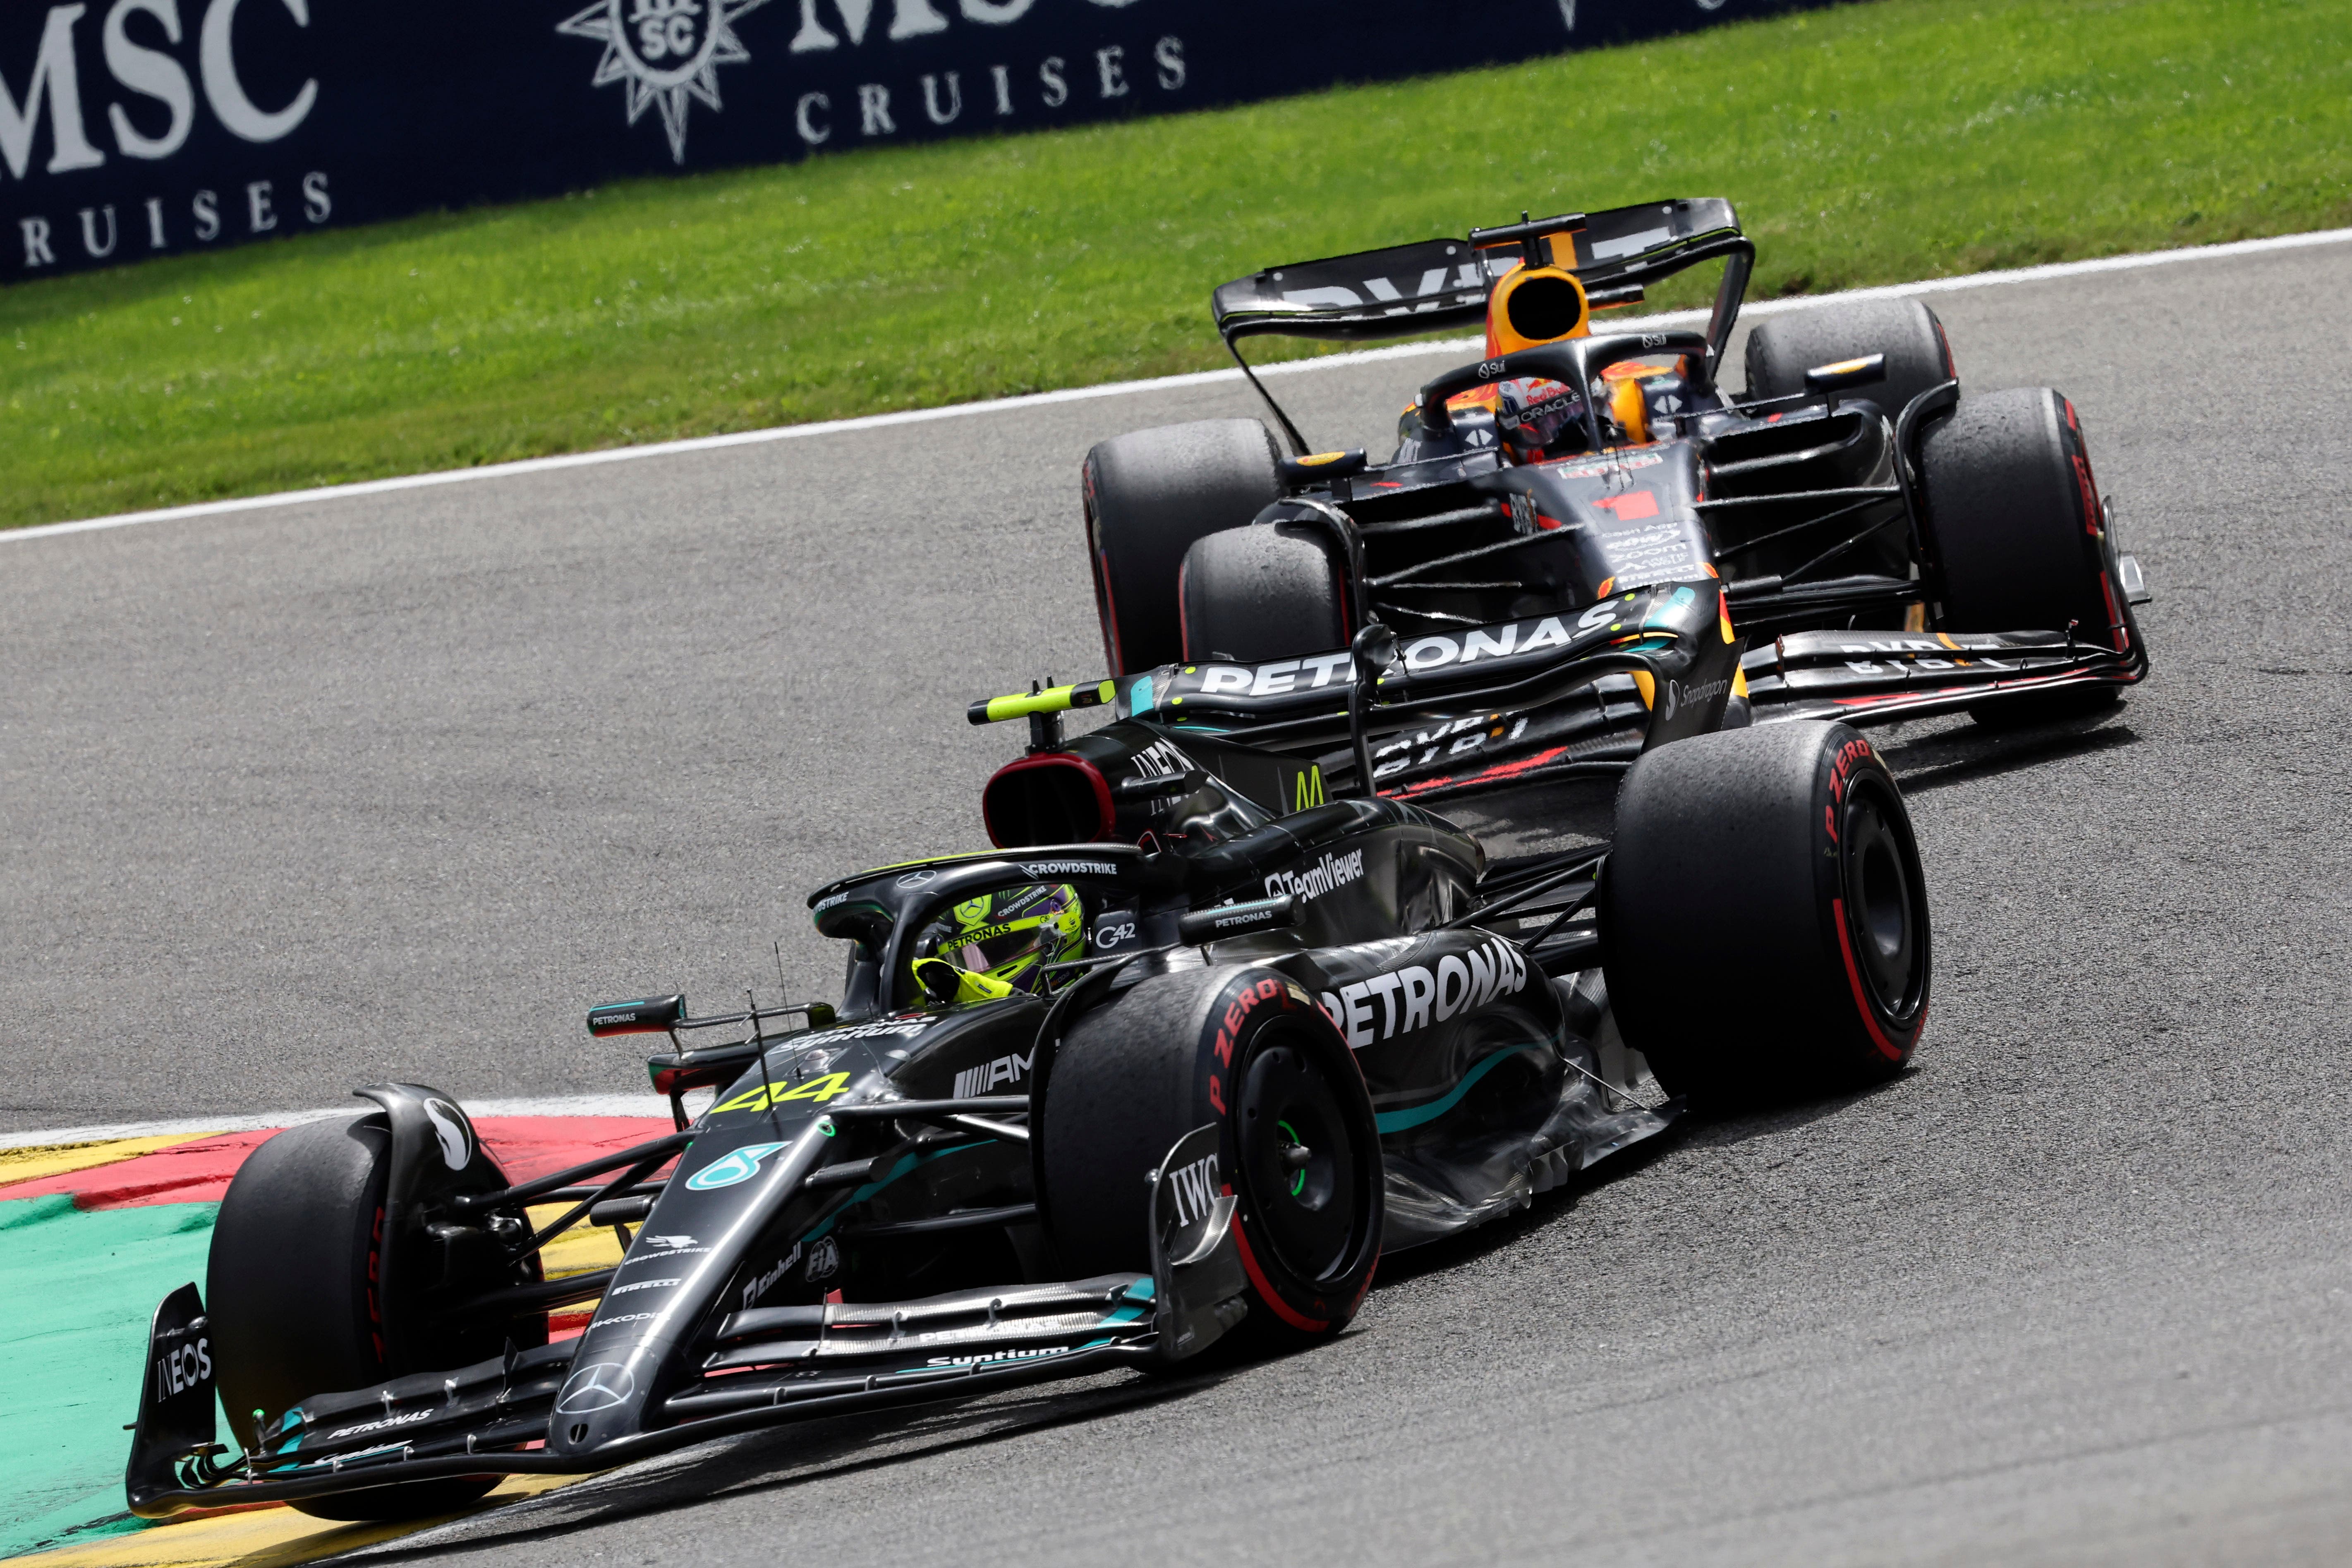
1888,1048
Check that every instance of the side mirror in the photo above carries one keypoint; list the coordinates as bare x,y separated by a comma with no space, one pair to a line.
646,1015
1374,648
1315,467
1829,380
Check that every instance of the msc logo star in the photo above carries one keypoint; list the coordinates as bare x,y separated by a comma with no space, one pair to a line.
665,51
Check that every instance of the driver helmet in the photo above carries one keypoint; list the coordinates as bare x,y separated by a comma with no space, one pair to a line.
1007,939
1537,419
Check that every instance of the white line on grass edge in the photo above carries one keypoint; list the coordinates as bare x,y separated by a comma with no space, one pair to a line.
1122,388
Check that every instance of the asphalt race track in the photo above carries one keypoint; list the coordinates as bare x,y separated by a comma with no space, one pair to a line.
395,786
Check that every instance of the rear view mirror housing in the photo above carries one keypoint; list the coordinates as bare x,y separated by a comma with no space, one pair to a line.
646,1015
1829,380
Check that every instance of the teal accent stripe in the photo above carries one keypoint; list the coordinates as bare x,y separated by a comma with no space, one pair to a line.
906,1163
1398,1120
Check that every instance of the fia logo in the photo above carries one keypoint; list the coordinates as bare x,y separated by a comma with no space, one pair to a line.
664,52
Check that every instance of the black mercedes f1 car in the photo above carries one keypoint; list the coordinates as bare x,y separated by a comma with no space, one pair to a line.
1886,547
1170,1066
1228,1010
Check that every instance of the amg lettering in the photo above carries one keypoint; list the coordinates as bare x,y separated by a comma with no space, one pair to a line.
974,1083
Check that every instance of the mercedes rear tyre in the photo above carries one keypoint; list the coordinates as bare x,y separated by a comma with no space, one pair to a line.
1781,349
1149,495
299,1306
1273,590
1763,917
2018,534
1249,1051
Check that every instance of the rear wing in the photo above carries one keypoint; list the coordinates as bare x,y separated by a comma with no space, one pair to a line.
1437,283
1405,291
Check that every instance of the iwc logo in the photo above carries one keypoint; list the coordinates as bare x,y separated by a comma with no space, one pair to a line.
663,51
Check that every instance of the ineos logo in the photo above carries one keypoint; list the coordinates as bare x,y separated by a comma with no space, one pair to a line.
178,1370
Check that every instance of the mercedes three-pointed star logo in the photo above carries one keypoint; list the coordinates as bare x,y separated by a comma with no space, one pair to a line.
597,1386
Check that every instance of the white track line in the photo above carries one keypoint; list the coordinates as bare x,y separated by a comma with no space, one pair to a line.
1122,388
574,1105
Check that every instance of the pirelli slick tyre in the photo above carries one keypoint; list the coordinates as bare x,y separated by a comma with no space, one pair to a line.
1149,495
1250,1052
2019,536
1763,918
296,1298
1918,356
1272,590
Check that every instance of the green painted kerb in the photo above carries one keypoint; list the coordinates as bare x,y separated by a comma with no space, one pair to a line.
77,1290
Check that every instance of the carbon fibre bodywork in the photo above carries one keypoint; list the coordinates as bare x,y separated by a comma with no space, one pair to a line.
859,1220
1804,517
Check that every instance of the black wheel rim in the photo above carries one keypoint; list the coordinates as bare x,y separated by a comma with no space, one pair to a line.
1884,904
1297,1163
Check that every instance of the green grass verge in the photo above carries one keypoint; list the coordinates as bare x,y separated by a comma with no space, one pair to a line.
1873,142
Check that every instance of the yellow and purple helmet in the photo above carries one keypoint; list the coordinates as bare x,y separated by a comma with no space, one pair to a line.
1007,939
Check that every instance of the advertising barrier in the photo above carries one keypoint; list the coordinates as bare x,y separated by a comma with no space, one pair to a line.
138,128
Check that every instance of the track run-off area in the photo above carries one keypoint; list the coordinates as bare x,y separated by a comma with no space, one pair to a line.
393,785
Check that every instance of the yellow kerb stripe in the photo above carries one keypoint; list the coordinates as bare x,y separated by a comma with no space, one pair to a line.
578,1250
60,1160
262,1538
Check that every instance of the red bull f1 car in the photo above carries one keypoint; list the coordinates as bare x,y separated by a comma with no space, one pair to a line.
1883,547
